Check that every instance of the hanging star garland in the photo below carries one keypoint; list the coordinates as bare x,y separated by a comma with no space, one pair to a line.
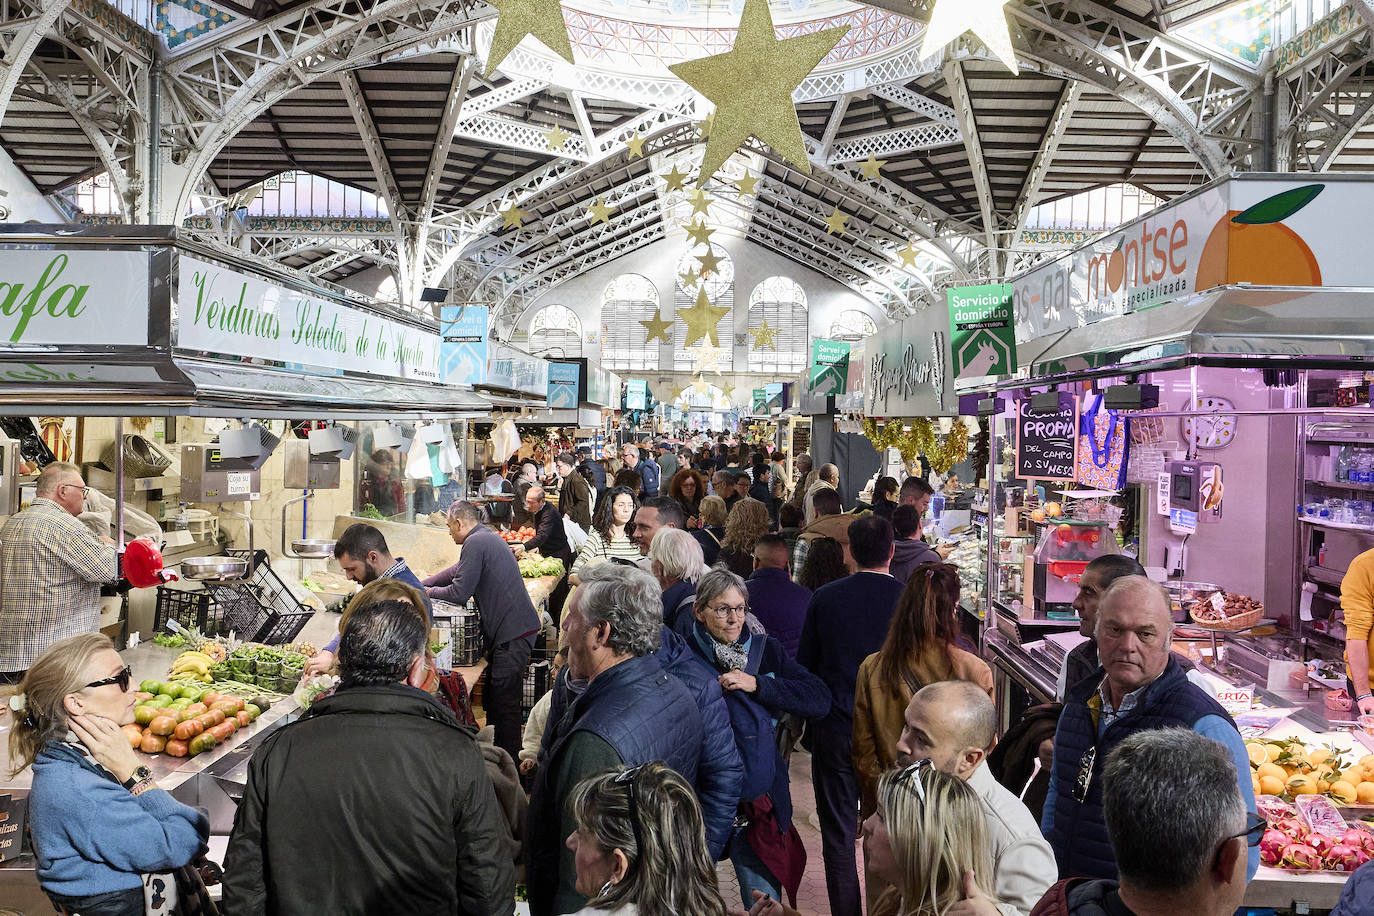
710,263
746,184
706,358
870,167
599,212
699,232
908,254
764,336
635,145
513,216
542,19
676,180
834,223
751,87
699,202
657,328
557,137
701,320
984,18
688,277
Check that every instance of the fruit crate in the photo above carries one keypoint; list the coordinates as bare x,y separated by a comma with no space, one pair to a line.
263,608
197,609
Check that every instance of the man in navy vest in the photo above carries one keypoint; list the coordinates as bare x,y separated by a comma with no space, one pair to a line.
1138,687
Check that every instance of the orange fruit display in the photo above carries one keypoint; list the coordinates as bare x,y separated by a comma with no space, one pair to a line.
1254,246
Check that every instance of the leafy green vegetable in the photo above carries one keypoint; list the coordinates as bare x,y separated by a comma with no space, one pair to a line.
370,511
170,640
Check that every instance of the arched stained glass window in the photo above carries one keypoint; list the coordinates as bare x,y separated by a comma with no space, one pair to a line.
556,331
719,284
627,300
779,305
851,324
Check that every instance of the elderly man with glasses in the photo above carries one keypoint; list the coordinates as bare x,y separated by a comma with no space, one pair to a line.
1179,827
1138,686
53,569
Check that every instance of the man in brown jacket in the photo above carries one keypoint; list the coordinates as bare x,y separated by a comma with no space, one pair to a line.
829,523
574,496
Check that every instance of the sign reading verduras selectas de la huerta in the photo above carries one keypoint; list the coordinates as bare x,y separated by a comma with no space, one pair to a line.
223,311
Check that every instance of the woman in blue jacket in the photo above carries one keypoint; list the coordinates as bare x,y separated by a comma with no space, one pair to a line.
761,683
102,830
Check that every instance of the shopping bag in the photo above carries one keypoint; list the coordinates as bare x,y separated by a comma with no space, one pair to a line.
576,536
1100,460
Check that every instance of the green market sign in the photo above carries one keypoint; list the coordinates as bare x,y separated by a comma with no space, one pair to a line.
50,297
829,366
225,312
983,335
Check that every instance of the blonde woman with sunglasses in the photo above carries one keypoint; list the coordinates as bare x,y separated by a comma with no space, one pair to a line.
103,830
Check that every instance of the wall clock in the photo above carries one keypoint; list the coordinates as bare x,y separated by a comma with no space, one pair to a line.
1216,427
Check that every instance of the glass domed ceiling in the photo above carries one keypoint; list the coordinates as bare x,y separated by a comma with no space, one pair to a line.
643,37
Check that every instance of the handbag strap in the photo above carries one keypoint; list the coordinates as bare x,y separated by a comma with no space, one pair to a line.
1102,456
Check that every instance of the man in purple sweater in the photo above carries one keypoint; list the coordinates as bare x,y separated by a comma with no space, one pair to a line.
487,570
778,602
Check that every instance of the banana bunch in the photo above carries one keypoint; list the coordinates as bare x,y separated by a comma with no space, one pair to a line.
193,664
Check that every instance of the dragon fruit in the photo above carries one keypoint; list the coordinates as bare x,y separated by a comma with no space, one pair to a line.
1291,827
1272,846
1323,844
1359,838
1300,855
1343,858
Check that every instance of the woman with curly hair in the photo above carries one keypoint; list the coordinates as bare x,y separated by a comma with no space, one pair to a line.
609,536
688,487
640,845
747,522
824,567
712,530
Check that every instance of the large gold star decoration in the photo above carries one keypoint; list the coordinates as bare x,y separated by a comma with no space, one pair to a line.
599,212
557,137
675,179
751,86
908,254
710,263
984,18
699,233
515,19
701,320
746,184
870,167
699,202
834,223
512,216
704,126
706,358
657,328
635,145
764,336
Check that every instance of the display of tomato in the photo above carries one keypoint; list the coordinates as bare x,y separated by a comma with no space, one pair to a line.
202,743
162,726
188,730
134,734
152,744
224,731
176,748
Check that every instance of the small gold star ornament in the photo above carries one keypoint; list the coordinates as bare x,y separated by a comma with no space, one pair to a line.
701,320
543,19
984,18
751,87
746,184
635,145
700,202
908,254
870,167
764,336
710,263
557,137
700,385
699,233
657,328
688,277
512,216
706,358
675,179
599,212
834,223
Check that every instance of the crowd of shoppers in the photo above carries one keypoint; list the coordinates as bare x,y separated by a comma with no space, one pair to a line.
665,744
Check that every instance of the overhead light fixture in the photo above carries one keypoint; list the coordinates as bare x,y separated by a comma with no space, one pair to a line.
1131,397
433,294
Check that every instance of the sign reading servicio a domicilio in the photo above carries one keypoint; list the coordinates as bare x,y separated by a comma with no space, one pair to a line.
226,312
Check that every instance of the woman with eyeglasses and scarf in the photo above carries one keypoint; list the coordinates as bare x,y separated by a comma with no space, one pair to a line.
640,845
105,834
760,683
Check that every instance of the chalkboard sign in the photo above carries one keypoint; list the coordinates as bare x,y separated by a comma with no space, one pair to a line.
1046,439
12,811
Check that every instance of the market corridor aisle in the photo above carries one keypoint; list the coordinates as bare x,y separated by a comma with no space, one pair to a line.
812,899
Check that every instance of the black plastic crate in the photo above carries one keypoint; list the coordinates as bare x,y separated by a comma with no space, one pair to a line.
190,609
263,608
538,681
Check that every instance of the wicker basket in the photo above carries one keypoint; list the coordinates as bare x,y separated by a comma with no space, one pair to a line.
1231,624
141,457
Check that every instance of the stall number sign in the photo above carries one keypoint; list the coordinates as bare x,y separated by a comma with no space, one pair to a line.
1236,700
1046,441
12,812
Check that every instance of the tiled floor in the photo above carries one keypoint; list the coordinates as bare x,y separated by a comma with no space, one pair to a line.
811,896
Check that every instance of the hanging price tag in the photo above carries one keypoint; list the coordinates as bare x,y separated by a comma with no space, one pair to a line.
1218,602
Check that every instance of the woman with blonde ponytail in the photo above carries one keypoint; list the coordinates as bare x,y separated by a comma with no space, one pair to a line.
105,834
640,845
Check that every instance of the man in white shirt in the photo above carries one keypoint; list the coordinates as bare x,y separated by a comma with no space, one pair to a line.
954,724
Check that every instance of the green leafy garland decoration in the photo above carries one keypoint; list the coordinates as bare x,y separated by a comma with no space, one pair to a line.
943,452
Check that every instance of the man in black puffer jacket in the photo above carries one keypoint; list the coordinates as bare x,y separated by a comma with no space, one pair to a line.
376,801
632,712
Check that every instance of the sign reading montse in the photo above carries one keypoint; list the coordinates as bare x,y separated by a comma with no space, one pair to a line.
983,335
829,366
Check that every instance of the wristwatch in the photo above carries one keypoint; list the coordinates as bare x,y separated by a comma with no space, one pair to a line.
140,774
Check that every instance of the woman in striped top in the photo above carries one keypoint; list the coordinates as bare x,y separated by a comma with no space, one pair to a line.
609,537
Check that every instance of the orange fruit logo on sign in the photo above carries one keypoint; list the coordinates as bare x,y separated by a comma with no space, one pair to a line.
1254,246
